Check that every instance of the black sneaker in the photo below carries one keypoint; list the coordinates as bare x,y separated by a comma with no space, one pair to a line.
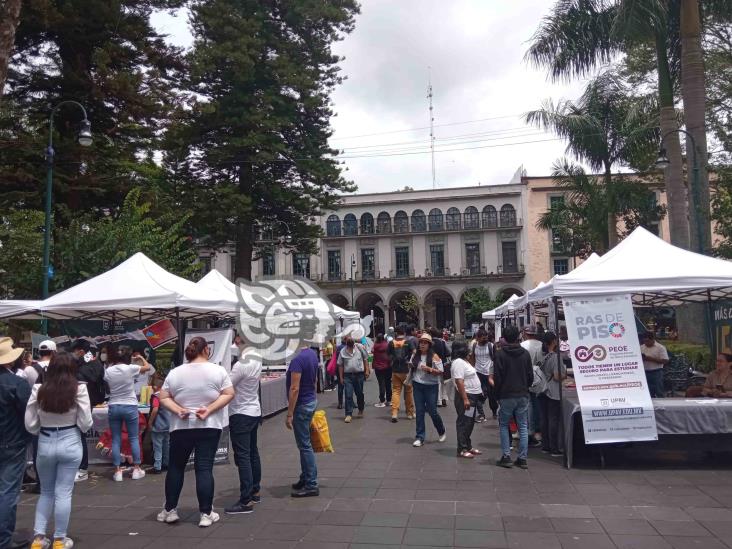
299,485
521,463
256,498
480,419
239,508
394,419
557,454
505,461
305,493
534,443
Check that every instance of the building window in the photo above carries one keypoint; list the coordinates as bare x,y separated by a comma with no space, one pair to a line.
472,258
268,263
383,223
334,264
490,217
419,222
367,224
560,266
205,265
437,259
401,222
556,202
471,218
350,226
401,256
510,257
301,265
333,226
368,264
508,216
452,219
436,220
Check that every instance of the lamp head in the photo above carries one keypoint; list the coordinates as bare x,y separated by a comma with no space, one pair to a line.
85,135
662,161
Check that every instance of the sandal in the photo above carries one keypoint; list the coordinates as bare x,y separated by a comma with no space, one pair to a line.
475,451
466,454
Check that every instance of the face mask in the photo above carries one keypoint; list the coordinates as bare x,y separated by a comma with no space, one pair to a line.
103,357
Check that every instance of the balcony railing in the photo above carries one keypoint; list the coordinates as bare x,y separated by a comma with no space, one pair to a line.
423,225
403,274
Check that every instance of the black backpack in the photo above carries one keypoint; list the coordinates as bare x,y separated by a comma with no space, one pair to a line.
39,370
399,351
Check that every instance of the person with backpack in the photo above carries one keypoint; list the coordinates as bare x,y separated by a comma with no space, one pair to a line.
513,374
481,357
353,370
399,352
426,368
554,372
91,372
440,347
34,373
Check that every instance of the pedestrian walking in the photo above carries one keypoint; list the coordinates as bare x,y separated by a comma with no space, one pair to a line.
195,393
440,348
481,357
468,392
382,368
353,369
426,375
58,411
554,372
399,351
513,374
159,425
535,348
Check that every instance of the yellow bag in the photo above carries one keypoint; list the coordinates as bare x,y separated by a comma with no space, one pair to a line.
319,435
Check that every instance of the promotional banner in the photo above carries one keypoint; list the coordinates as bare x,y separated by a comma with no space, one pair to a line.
608,368
722,314
219,344
160,333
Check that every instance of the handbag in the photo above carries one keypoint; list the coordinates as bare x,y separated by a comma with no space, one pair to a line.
332,368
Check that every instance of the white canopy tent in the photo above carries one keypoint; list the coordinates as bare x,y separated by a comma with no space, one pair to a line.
507,306
545,290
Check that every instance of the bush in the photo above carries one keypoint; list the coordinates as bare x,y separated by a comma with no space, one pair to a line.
699,355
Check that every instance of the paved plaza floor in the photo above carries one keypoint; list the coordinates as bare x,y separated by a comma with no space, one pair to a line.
377,491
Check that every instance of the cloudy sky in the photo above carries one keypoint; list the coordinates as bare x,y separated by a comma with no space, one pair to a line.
481,87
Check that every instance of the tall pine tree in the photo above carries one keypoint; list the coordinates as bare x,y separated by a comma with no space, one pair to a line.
253,146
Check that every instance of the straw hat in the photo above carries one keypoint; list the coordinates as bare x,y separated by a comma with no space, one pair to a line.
426,337
8,354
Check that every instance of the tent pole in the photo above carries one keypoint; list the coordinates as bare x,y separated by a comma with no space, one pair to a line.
562,438
710,325
180,335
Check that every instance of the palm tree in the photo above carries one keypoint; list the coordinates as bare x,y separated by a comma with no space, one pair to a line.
578,36
605,127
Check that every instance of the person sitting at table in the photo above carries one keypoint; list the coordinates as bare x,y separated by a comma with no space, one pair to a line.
655,357
719,382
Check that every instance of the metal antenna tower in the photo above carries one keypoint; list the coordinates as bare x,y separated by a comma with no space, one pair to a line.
432,124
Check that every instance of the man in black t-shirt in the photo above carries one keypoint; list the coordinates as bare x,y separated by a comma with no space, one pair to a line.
90,372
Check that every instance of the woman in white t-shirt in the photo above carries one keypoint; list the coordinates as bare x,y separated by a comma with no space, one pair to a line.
195,393
120,377
468,394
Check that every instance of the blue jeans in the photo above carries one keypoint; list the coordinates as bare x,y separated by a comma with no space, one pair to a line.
519,408
12,465
354,384
655,382
161,449
425,400
243,433
59,456
301,426
128,414
203,444
534,414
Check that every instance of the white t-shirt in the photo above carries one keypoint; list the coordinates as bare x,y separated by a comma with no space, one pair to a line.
245,376
143,379
483,361
79,415
461,369
425,378
534,347
658,351
193,385
121,381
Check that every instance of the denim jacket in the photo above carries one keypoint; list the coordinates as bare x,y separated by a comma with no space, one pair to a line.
14,395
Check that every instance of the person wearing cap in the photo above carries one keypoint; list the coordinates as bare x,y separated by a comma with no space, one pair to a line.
14,395
35,371
426,375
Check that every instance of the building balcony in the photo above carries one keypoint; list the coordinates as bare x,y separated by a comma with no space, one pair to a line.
426,275
420,228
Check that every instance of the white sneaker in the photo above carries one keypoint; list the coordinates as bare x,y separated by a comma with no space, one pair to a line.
379,405
81,476
442,437
168,516
117,476
417,443
137,474
68,543
208,520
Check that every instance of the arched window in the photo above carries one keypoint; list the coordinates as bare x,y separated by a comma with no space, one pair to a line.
383,223
367,223
419,221
471,218
452,219
401,222
350,226
436,219
333,226
508,216
490,217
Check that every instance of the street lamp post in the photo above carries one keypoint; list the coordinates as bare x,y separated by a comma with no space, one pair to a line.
353,264
85,140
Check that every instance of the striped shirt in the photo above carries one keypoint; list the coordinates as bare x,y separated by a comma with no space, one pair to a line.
483,361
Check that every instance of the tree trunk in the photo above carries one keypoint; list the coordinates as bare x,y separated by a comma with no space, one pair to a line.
9,19
612,218
678,220
244,244
694,96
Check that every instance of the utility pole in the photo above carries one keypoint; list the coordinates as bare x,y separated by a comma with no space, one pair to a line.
432,124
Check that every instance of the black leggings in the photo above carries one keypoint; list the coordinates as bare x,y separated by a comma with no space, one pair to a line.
489,394
182,442
384,378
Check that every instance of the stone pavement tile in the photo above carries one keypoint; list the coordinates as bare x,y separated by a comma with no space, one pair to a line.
372,546
362,483
431,521
565,499
476,495
435,495
367,473
477,538
378,535
95,513
679,542
101,526
478,523
119,542
390,506
396,493
702,501
330,533
477,509
432,537
627,526
585,541
234,543
280,532
396,483
587,477
349,504
608,499
505,495
293,516
527,524
567,511
356,492
640,542
433,508
605,488
652,512
710,513
533,540
577,526
721,529
616,511
522,510
190,530
679,528
320,545
342,518
396,520
555,488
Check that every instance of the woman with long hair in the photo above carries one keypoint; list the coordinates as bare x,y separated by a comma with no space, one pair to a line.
120,376
59,411
468,393
426,375
382,367
554,372
195,393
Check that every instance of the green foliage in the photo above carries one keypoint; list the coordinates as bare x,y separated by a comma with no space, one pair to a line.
411,305
700,356
722,212
477,301
21,249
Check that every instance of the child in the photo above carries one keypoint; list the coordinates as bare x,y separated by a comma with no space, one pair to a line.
160,423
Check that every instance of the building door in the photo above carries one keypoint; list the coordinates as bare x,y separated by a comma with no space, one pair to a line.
510,257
